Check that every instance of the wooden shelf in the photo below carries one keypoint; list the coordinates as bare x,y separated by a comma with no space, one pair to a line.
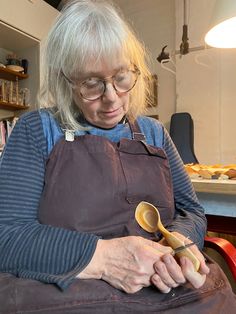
10,106
10,75
215,186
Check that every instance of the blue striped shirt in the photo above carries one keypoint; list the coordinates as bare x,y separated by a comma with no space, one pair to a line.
49,254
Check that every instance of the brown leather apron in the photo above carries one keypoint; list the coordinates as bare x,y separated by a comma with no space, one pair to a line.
93,185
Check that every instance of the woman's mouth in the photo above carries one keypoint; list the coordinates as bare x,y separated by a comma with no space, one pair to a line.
111,113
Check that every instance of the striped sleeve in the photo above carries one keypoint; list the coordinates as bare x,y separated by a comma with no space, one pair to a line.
29,249
190,219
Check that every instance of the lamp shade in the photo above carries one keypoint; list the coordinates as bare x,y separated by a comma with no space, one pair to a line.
222,33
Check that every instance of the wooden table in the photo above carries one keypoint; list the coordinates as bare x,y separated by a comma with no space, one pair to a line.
215,186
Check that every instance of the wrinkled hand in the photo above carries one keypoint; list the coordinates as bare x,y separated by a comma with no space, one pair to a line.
126,263
170,274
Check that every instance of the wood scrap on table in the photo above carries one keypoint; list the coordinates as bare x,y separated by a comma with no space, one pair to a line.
217,172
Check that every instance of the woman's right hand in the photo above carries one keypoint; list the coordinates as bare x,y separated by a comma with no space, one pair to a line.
126,263
167,266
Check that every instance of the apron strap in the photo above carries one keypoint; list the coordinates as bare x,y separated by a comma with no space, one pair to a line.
136,132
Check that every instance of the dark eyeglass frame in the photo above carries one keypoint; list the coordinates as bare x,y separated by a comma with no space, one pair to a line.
136,71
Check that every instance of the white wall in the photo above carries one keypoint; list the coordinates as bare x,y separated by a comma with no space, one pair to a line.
154,22
206,88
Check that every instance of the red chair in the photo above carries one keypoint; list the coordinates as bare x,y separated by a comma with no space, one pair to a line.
225,249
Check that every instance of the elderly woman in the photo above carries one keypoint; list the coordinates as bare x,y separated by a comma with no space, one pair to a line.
73,173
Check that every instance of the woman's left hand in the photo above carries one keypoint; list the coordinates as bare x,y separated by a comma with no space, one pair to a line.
168,271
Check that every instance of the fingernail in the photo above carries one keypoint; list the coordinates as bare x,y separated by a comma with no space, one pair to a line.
167,290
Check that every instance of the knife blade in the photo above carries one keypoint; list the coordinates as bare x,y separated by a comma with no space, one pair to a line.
183,247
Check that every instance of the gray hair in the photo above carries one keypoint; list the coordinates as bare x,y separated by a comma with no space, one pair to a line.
86,30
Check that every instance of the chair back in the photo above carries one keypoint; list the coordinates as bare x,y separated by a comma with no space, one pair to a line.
182,134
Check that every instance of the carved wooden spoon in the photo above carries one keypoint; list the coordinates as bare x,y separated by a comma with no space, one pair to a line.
148,217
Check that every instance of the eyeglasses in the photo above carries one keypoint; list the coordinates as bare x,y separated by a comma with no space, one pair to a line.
93,88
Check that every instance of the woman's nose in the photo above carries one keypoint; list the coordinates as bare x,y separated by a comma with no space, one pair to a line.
110,92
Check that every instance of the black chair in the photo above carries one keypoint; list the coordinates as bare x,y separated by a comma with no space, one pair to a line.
182,134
